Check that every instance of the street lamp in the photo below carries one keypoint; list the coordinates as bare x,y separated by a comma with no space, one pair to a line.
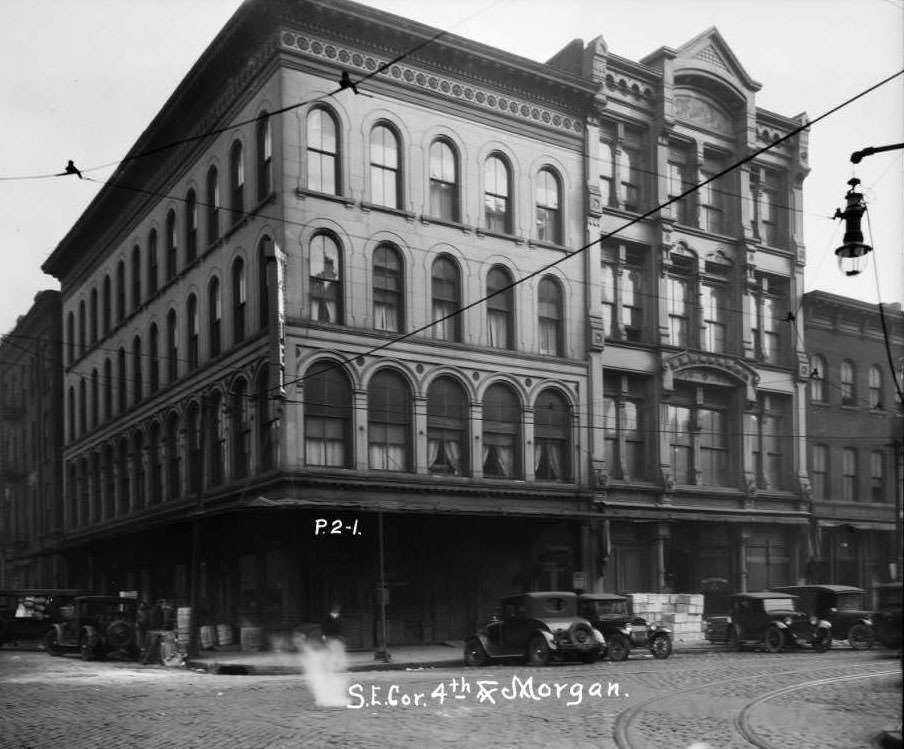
853,248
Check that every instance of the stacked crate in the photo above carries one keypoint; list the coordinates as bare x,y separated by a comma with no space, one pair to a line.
680,612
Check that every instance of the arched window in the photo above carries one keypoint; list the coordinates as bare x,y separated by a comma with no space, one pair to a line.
216,438
154,357
95,398
172,244
155,466
819,472
193,330
389,422
71,414
550,317
193,439
552,438
877,476
326,279
97,497
385,186
846,380
443,181
214,316
849,486
501,433
82,328
93,316
500,309
191,227
322,152
153,277
125,478
173,479
108,389
497,210
264,157
549,217
136,369
447,428
136,277
172,346
70,337
237,181
266,435
875,387
327,417
120,291
241,429
122,379
107,306
263,280
82,407
213,205
109,482
388,290
238,300
138,469
445,285
817,379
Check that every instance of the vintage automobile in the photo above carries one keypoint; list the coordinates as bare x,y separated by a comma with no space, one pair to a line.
611,614
27,614
842,606
771,620
887,622
537,627
99,625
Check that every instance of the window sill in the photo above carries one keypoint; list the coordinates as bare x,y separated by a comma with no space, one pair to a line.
546,245
408,215
427,220
499,235
303,193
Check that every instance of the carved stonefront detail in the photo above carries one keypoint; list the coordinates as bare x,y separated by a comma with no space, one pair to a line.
711,55
594,201
701,112
596,336
450,88
711,369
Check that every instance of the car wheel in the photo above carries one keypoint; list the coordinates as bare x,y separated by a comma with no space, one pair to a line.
618,648
119,634
734,642
775,640
52,642
861,636
475,653
661,646
538,653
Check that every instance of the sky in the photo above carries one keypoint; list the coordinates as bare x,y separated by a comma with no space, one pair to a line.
81,79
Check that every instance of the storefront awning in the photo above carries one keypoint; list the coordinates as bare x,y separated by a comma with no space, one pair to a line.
679,514
859,525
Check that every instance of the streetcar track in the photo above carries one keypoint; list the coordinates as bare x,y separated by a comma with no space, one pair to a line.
627,718
742,719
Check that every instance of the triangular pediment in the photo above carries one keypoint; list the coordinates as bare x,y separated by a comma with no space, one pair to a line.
709,53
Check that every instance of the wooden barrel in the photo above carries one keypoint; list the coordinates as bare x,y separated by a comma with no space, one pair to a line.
183,618
224,634
251,639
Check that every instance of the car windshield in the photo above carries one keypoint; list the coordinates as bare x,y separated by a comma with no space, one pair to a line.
779,604
556,605
602,608
849,602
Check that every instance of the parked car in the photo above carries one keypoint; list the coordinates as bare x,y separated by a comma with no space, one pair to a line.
27,614
611,614
537,627
842,606
887,622
773,620
99,625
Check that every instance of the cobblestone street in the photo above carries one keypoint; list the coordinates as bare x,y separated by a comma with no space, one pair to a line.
841,699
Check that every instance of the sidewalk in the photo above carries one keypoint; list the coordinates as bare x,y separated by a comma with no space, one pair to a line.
434,655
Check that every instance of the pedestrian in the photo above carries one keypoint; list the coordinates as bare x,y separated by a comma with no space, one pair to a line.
151,644
331,629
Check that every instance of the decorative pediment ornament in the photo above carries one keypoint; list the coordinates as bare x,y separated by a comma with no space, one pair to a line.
709,369
711,55
699,111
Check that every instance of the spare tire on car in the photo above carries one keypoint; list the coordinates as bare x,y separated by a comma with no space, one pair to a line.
119,635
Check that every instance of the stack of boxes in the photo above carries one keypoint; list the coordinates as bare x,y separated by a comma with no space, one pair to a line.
680,612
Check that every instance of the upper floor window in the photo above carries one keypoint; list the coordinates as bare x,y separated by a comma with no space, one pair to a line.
191,227
819,472
846,380
82,328
172,346
193,443
322,152
388,290
681,285
137,384
95,399
548,199
716,310
623,154
70,338
549,321
154,358
769,204
768,429
682,173
445,286
326,279
93,316
447,428
264,157
497,186
266,438
877,476
172,245
714,196
120,291
849,475
263,280
817,379
216,438
327,417
552,437
193,323
625,418
239,299
769,316
152,262
700,435
241,429
136,277
502,456
875,387
384,167
213,205
108,389
500,309
107,304
214,316
237,181
624,289
122,379
443,181
389,422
